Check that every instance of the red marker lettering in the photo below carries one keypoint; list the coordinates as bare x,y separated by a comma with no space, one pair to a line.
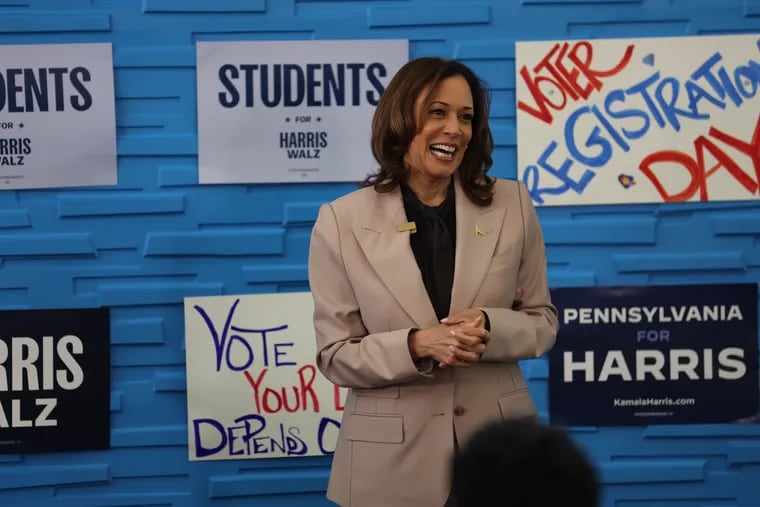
564,66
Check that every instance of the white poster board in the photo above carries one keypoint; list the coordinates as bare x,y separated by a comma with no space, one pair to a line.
639,120
253,389
57,126
290,111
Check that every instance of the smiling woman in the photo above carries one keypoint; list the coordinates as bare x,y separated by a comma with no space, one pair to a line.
437,150
417,94
429,285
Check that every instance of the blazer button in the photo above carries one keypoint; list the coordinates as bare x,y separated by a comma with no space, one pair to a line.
458,410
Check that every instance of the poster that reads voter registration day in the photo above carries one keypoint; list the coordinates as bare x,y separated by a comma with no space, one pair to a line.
290,111
649,120
669,354
253,388
57,124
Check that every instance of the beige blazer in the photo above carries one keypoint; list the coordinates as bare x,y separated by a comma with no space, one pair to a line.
397,435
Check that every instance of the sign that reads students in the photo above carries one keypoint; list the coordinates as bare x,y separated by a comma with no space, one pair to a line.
253,390
290,111
57,126
54,380
655,355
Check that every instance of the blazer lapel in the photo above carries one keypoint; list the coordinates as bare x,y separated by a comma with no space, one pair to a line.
390,254
477,233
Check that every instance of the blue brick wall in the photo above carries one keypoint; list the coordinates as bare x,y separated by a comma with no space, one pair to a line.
141,247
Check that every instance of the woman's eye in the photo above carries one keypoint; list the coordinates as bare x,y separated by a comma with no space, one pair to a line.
438,112
467,117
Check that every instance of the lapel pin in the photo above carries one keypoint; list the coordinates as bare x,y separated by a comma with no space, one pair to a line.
410,227
479,231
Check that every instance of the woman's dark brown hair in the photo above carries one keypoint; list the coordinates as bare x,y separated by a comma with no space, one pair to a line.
394,125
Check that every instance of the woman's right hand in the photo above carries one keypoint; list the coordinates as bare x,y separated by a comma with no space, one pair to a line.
443,344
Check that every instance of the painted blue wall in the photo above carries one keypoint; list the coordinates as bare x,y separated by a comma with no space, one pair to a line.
142,246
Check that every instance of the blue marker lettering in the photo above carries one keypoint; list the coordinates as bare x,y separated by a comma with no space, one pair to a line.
619,96
669,105
594,139
641,88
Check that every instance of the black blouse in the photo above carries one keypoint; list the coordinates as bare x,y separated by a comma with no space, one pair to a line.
433,245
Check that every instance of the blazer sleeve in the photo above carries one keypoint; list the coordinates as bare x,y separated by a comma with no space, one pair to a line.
347,354
529,328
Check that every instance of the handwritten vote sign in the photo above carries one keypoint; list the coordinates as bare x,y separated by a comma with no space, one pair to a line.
639,120
253,389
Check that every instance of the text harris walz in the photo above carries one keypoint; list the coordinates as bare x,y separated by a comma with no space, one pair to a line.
31,366
303,145
13,151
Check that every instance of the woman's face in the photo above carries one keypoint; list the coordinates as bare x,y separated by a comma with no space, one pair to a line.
444,127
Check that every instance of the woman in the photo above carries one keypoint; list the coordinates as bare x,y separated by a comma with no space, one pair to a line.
429,284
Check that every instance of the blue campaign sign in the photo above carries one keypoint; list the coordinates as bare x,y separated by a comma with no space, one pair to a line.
655,355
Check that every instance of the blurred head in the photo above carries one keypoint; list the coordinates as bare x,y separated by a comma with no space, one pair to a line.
523,464
432,120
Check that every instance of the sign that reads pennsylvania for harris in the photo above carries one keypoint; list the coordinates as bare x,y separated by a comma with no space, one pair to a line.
253,390
54,380
655,355
639,120
290,111
57,126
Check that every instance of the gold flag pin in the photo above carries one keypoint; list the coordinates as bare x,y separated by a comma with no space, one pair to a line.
410,227
479,231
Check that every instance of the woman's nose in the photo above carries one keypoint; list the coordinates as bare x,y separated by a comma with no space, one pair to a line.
452,125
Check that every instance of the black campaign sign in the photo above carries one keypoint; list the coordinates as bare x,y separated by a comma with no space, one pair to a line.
54,380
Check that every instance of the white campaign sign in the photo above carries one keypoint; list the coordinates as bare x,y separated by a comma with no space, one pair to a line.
57,126
639,120
253,389
290,111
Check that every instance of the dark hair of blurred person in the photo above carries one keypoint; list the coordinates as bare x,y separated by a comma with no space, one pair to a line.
523,464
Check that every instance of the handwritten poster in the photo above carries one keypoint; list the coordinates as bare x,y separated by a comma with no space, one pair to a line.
290,111
667,354
57,126
253,389
639,120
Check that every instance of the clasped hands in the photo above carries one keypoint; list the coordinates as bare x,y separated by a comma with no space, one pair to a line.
459,340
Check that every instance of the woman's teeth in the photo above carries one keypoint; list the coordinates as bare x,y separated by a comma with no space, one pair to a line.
443,151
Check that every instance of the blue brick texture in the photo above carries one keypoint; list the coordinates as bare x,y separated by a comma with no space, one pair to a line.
142,246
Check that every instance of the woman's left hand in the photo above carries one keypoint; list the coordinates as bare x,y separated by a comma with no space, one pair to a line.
468,327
